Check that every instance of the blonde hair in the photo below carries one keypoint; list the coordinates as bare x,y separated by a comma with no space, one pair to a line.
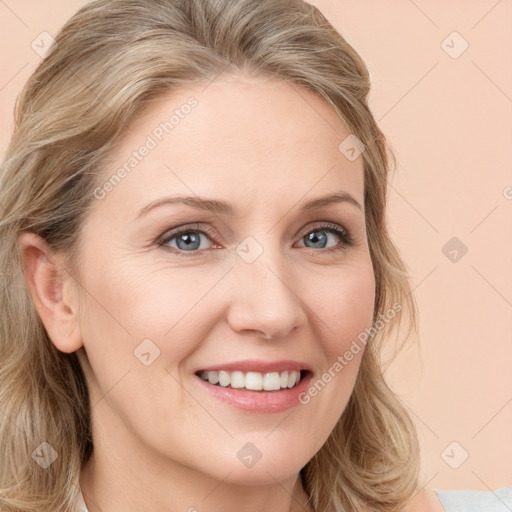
110,60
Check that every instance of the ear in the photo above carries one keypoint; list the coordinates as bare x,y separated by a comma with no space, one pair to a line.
51,288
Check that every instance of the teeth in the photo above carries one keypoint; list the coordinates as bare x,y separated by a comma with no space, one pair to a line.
237,380
224,378
256,381
272,381
213,377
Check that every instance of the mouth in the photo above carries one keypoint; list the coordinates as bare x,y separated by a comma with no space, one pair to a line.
254,381
256,385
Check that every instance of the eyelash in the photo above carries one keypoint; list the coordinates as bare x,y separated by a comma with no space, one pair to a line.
346,239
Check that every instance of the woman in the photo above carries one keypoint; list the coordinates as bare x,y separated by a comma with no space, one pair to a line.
199,273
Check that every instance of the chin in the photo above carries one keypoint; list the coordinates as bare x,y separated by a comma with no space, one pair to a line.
252,466
261,474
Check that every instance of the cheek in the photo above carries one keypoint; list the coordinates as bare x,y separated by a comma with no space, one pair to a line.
131,311
346,307
126,304
352,309
344,311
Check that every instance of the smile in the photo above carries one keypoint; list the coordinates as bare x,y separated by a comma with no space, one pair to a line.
255,381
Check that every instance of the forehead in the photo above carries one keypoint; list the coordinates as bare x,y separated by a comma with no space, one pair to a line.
234,136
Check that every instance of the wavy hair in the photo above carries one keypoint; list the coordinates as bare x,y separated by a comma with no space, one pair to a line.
109,61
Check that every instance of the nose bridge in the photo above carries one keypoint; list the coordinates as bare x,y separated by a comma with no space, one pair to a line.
265,298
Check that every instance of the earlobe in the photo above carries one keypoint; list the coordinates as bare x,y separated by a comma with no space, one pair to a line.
47,284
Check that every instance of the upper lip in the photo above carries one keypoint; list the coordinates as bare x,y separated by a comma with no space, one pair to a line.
255,365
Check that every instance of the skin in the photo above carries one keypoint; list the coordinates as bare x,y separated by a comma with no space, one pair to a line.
161,442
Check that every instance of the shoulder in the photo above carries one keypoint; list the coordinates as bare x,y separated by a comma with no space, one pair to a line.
466,500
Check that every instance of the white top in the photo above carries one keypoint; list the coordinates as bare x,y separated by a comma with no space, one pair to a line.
497,500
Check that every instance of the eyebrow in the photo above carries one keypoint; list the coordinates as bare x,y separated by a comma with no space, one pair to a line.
224,208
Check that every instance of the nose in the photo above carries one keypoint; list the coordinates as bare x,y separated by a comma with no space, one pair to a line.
265,299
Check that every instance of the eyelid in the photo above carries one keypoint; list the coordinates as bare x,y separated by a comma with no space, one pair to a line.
184,228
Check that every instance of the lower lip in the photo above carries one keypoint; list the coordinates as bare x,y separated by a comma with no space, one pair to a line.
258,401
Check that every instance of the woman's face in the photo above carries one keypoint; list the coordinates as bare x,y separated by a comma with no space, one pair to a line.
157,308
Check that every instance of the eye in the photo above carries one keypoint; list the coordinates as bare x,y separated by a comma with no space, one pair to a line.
189,239
319,239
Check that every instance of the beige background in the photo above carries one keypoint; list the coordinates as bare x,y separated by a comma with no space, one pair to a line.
449,121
